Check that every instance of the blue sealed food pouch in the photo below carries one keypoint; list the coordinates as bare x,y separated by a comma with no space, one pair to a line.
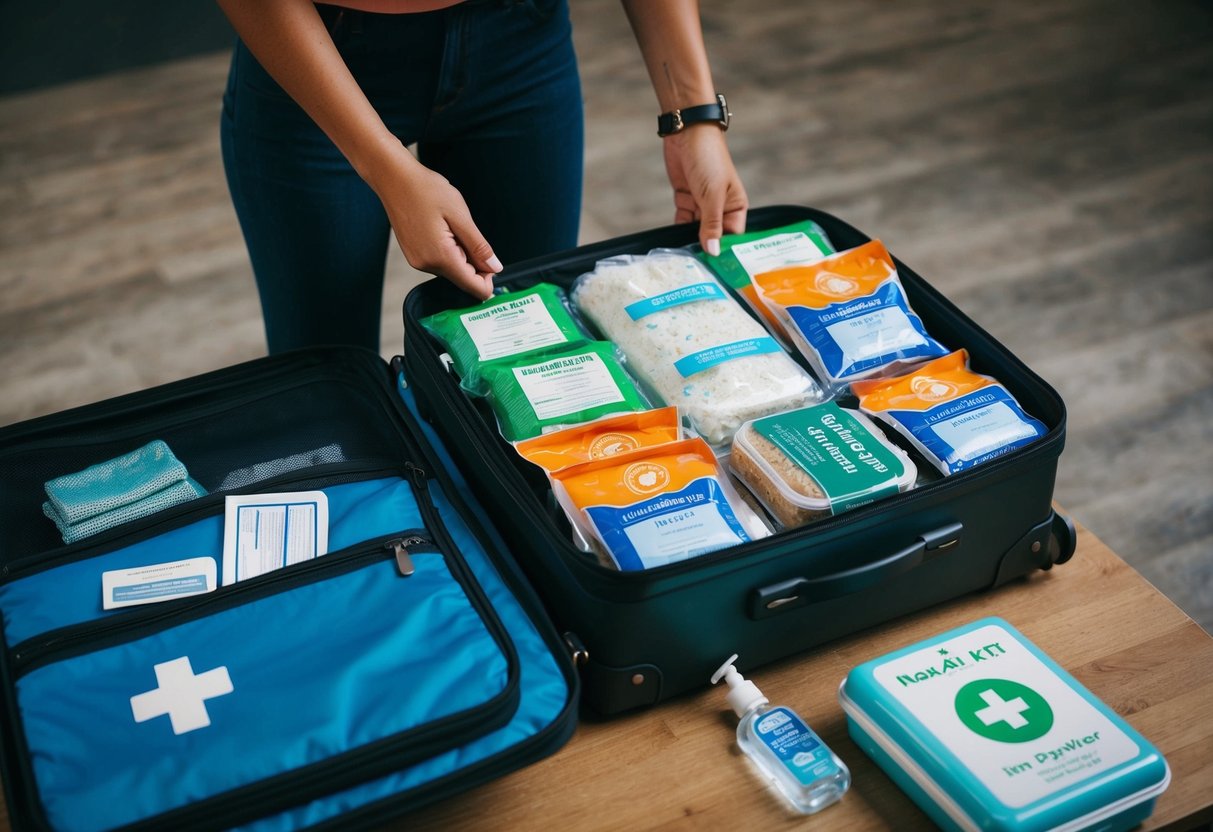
955,417
849,316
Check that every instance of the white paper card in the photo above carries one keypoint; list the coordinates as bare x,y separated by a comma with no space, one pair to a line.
157,582
264,532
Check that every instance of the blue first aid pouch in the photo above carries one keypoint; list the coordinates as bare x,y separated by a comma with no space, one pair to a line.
407,663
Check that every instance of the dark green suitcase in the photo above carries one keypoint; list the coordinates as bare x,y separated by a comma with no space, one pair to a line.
641,637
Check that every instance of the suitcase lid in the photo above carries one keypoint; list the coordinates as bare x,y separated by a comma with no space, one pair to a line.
999,736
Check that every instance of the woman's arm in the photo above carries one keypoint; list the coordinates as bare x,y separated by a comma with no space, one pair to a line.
431,220
706,185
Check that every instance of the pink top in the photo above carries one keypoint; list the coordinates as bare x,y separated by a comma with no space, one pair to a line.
395,6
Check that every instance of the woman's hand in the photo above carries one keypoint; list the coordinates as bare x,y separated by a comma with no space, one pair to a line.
433,225
430,218
706,185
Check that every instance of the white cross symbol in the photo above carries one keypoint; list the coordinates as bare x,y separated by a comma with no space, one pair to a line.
1002,710
181,695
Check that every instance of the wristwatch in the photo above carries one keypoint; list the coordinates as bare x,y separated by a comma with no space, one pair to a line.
676,121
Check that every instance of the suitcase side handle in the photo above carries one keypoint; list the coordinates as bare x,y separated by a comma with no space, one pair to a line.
799,591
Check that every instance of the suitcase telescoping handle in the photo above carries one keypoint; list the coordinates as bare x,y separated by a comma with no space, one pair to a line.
796,592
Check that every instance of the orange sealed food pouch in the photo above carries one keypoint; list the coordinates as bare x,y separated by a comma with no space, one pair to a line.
955,417
606,437
657,505
849,315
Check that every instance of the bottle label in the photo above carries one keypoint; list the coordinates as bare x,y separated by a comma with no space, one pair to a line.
796,745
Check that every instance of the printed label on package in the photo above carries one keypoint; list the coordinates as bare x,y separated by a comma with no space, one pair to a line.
705,359
669,527
971,429
510,328
852,466
677,297
568,385
864,333
778,251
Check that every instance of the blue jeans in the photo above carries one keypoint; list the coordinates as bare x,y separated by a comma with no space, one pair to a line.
487,89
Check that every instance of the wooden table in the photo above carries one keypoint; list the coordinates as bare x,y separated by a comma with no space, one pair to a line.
676,766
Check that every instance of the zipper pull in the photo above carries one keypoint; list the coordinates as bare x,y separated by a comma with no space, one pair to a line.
418,474
403,561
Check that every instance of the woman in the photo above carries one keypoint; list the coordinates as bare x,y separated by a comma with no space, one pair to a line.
323,100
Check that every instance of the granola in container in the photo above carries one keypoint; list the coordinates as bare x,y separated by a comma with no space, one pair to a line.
815,462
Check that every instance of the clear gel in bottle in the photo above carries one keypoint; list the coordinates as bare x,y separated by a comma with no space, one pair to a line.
785,748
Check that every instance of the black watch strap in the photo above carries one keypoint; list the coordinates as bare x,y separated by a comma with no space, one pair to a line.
676,121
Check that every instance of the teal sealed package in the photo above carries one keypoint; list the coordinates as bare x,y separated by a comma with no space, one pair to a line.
985,732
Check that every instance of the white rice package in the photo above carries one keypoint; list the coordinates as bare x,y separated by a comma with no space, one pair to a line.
691,342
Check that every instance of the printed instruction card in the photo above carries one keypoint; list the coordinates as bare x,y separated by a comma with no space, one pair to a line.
157,582
264,532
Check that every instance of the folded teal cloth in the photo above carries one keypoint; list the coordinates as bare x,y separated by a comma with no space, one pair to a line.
146,480
116,482
178,492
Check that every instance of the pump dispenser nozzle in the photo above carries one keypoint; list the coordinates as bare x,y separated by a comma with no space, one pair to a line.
743,695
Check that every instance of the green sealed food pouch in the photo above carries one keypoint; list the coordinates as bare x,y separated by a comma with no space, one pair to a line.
742,256
505,326
558,388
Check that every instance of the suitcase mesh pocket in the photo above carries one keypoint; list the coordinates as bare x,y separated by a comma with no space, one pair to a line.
227,440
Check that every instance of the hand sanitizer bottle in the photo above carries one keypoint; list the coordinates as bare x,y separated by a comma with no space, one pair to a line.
786,750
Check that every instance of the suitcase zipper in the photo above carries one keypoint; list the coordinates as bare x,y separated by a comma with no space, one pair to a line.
180,515
35,651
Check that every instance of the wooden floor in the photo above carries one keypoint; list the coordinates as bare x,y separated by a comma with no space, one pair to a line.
1048,165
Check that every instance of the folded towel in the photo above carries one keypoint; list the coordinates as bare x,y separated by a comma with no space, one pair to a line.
178,492
117,482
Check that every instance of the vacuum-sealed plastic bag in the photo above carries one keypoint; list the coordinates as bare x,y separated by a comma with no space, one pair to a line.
692,343
609,436
955,417
849,316
742,256
505,326
555,389
657,505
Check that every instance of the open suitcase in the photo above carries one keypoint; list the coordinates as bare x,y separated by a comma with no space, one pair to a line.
352,692
409,663
645,636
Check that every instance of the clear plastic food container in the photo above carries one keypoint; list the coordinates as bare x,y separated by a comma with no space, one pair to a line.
817,461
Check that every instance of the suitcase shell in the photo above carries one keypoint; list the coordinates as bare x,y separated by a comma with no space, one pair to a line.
651,635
